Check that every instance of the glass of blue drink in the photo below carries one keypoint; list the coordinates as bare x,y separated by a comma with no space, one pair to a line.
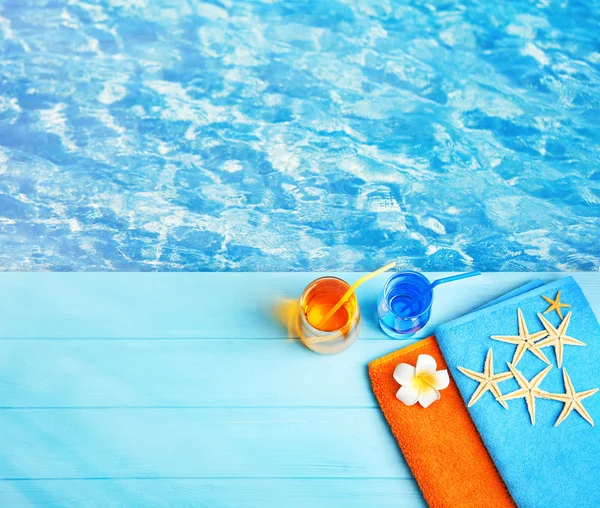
404,305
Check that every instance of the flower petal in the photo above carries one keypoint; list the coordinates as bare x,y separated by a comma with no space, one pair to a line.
404,373
426,364
408,395
440,379
428,395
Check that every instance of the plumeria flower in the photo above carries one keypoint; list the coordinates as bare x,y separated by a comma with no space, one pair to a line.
422,383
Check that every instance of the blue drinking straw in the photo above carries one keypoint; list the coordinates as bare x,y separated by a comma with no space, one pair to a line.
437,283
453,278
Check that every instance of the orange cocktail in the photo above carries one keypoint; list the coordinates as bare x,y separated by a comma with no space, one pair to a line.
341,330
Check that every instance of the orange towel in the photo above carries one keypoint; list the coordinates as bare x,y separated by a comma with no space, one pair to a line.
440,443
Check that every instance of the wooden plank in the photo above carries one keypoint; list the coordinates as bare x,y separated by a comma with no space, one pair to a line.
211,492
207,305
173,372
197,443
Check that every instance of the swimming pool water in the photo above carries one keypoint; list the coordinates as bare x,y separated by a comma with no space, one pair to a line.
263,135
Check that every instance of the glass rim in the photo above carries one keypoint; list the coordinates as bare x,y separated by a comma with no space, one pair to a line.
386,290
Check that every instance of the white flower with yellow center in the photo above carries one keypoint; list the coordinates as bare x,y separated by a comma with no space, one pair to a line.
422,383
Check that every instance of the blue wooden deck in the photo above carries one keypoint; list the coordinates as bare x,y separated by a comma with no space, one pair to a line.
172,389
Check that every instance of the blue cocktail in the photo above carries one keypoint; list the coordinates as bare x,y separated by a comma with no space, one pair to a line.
404,305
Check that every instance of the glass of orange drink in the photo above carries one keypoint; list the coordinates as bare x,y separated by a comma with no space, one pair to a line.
341,330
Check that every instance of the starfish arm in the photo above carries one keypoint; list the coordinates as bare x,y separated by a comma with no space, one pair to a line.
511,339
587,393
558,311
572,342
558,351
538,335
517,394
547,325
568,384
497,393
583,412
561,397
546,342
539,354
530,400
564,324
523,332
540,376
489,363
477,376
550,302
523,383
567,408
481,389
502,376
519,352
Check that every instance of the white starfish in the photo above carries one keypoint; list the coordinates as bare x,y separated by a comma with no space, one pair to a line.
488,381
557,338
572,400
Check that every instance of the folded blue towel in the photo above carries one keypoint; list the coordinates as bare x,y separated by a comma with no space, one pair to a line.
542,465
536,283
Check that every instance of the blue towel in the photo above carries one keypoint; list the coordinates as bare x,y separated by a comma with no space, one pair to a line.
536,283
542,465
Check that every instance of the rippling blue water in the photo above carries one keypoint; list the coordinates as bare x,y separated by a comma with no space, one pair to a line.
248,135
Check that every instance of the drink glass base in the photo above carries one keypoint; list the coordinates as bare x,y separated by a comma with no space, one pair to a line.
393,333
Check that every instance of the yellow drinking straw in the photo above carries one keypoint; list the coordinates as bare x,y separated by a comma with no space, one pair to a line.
344,299
348,293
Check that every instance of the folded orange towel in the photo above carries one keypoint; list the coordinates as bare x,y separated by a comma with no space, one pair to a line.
440,443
